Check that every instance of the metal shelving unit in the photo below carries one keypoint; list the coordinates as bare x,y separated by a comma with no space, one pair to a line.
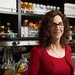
19,14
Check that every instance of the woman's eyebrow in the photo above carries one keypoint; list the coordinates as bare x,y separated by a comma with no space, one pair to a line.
58,23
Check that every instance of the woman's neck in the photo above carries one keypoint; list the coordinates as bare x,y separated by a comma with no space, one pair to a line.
56,44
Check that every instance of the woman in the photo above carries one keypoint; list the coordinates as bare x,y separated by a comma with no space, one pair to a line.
53,54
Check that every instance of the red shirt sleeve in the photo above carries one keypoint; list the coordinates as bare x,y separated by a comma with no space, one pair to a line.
34,63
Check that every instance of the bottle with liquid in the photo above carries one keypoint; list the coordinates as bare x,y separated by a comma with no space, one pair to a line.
22,7
2,29
30,7
24,28
2,32
8,26
30,31
26,7
8,31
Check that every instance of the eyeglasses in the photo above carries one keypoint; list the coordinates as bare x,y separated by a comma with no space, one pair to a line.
54,25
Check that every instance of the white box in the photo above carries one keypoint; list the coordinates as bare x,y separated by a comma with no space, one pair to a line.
69,9
8,5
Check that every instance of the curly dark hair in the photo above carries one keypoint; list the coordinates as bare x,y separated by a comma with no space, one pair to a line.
44,37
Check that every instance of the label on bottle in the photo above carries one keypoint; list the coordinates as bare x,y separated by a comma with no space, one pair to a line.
24,31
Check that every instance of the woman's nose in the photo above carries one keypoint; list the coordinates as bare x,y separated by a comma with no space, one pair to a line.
57,27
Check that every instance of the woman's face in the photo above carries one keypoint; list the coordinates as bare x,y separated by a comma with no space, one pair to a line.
57,27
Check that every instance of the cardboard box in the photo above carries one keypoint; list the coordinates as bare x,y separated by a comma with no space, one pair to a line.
8,5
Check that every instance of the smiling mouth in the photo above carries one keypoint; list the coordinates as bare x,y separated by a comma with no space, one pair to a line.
56,32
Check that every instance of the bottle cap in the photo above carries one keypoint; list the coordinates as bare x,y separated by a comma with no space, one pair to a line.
25,20
30,4
8,23
2,26
25,3
21,2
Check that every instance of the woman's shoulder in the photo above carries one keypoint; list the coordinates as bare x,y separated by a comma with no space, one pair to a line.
37,49
68,48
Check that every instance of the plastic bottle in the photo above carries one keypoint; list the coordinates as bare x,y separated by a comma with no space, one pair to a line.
24,28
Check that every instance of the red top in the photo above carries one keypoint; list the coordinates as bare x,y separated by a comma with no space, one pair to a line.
60,66
43,64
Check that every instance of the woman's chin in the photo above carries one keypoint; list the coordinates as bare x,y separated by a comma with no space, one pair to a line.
57,37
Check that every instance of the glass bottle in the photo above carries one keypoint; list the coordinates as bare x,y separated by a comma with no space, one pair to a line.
30,31
2,31
8,31
30,7
26,7
8,27
22,7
